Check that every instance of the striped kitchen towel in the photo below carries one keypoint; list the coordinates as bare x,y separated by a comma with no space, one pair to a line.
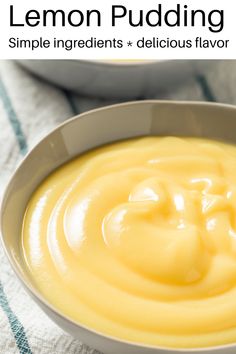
29,108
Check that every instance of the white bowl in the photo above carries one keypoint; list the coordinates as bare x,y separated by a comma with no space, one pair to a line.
87,131
116,79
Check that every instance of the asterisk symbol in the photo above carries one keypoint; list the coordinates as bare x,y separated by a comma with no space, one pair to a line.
130,43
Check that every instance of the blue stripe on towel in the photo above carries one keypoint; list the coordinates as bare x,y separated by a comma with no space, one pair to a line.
16,327
15,123
206,90
71,100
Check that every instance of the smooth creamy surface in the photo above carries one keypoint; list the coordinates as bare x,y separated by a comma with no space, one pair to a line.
138,240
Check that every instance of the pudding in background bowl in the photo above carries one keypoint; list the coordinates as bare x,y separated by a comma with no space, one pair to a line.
156,187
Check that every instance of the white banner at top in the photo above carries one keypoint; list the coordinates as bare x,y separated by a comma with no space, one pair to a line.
116,29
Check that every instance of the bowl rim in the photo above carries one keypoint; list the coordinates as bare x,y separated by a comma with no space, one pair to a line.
35,294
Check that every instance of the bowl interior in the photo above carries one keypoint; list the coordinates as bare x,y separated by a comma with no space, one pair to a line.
95,128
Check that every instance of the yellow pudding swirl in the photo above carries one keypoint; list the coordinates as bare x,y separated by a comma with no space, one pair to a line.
137,240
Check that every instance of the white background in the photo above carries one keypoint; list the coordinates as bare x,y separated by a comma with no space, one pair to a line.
122,31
